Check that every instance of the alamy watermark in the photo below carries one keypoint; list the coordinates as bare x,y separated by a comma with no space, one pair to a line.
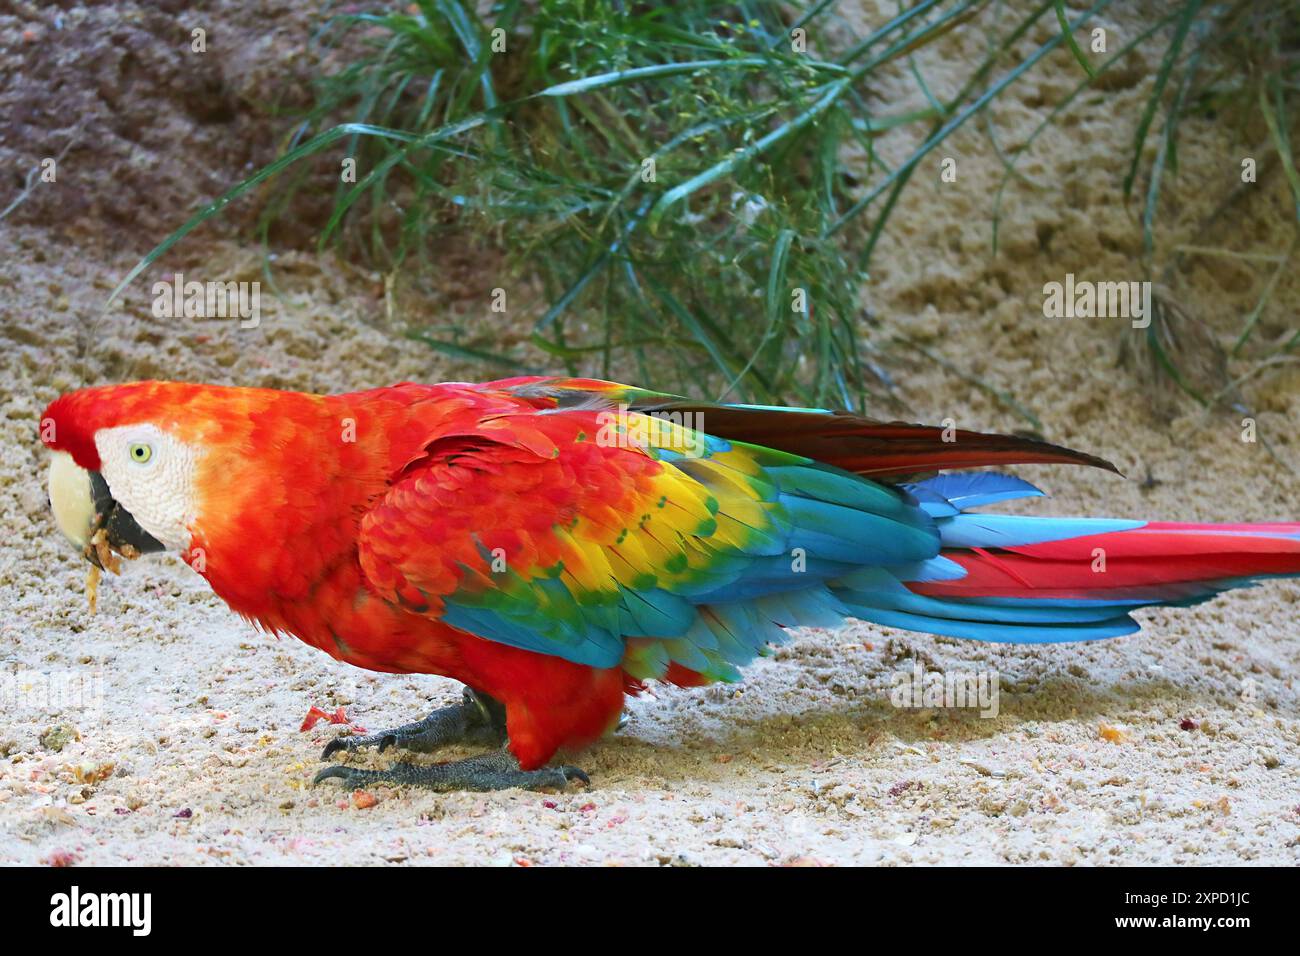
175,298
1100,300
676,431
33,692
133,911
921,689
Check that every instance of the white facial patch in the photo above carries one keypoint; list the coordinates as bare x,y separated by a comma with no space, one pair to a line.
151,475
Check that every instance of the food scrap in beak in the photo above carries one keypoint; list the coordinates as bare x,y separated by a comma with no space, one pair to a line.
115,528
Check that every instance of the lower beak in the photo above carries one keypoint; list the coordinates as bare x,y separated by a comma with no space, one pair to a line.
83,505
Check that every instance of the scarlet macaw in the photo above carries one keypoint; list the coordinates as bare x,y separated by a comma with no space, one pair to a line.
555,543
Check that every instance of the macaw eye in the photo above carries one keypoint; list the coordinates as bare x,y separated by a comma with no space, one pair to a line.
140,453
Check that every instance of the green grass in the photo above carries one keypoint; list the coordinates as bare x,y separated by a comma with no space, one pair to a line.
688,280
691,278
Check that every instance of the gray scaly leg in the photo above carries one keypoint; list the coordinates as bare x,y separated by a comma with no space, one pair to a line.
498,770
477,719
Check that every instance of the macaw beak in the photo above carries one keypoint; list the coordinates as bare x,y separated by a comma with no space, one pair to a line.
82,504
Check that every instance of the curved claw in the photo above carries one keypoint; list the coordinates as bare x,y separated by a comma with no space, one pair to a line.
333,747
575,773
349,775
350,744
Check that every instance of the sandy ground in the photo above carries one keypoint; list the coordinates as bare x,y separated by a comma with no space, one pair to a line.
165,730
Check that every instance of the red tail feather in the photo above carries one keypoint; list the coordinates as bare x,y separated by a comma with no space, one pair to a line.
1160,561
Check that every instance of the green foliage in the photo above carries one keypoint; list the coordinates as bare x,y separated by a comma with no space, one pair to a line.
767,189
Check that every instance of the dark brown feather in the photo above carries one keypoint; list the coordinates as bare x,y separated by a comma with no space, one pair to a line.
867,447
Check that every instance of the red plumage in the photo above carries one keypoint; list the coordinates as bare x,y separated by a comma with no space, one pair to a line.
1160,561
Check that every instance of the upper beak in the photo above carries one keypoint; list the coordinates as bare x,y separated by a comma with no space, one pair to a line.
82,505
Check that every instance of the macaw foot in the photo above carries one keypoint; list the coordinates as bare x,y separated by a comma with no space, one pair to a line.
477,719
498,770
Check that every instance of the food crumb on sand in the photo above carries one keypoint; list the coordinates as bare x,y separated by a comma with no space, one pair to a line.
1112,734
92,587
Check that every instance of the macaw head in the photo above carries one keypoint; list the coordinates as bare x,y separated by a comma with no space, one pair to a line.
121,463
150,463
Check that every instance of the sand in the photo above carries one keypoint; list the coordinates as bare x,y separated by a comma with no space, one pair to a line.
166,730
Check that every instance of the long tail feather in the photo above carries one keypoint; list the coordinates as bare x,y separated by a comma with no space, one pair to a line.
868,447
857,444
1014,578
1152,563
